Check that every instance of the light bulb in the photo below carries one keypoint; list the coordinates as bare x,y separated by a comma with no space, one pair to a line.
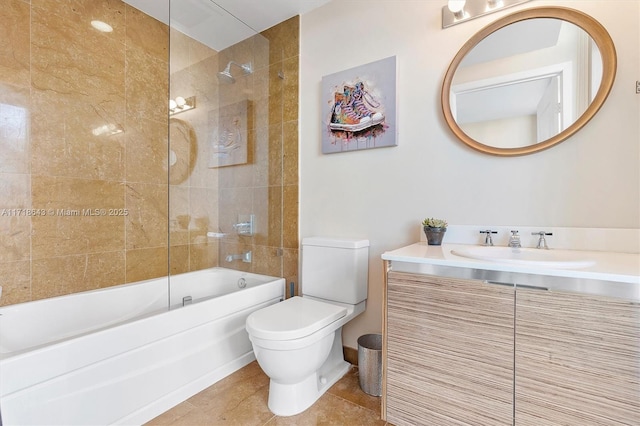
172,104
457,8
180,101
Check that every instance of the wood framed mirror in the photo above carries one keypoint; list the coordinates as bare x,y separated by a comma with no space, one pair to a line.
528,81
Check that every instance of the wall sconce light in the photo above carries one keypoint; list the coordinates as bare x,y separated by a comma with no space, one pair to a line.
458,11
181,104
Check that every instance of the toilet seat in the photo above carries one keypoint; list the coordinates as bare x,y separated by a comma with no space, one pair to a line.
294,318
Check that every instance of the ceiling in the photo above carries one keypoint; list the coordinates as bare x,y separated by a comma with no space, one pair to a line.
222,23
516,39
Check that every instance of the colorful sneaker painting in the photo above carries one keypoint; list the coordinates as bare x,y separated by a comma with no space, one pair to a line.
355,109
360,107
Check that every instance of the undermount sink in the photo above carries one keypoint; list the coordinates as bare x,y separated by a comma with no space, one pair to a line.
562,259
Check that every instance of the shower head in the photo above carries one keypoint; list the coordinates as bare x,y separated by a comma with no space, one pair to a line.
227,78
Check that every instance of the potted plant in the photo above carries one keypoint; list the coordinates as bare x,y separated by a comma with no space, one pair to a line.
434,229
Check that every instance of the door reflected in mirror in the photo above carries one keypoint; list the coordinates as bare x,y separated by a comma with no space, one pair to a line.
528,81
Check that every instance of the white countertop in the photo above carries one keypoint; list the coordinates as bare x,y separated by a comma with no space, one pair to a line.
608,266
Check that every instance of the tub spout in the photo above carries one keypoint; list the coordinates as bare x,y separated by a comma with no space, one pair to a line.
245,257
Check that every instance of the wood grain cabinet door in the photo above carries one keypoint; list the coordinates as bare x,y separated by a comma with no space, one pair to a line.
449,348
577,359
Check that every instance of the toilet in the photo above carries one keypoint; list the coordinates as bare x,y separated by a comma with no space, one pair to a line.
298,342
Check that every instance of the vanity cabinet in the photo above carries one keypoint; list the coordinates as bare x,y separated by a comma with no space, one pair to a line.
461,351
449,351
577,359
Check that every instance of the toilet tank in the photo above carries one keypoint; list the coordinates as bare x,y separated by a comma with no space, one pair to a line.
335,269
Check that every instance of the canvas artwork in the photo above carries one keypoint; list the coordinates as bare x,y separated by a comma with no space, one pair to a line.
359,107
229,138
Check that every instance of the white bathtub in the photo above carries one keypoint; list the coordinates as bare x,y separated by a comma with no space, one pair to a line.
119,355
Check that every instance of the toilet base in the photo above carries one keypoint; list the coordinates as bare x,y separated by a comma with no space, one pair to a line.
292,399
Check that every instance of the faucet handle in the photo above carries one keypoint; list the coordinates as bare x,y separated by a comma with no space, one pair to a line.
488,241
246,225
488,231
542,242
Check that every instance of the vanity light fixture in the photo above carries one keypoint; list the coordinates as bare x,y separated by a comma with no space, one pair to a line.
458,11
181,104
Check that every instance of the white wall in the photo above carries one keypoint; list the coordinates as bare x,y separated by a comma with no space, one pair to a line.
590,180
500,132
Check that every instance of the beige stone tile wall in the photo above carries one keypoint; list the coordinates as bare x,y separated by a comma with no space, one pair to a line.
285,55
60,82
269,189
193,186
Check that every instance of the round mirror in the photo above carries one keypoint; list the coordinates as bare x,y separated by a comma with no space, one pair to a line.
528,81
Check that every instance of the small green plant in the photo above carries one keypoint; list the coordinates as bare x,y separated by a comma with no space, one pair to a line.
434,223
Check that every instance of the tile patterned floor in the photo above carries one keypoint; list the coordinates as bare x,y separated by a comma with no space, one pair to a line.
241,399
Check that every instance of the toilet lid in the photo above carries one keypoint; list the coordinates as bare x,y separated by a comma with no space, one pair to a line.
293,318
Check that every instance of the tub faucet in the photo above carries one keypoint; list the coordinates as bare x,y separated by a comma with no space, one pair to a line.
246,225
542,242
514,240
245,257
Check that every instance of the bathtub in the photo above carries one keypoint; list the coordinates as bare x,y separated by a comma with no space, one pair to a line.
125,354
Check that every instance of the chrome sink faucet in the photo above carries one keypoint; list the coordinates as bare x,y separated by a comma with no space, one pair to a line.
542,241
488,241
514,240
